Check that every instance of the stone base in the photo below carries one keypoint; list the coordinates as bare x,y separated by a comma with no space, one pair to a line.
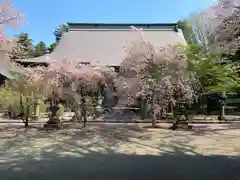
53,123
180,125
34,117
221,118
51,126
97,113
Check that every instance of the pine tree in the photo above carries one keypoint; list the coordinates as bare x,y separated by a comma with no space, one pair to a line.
23,49
40,49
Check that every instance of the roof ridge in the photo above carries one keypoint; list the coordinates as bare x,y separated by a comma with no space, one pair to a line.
122,25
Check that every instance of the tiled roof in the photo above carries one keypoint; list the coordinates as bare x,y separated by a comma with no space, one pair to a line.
104,44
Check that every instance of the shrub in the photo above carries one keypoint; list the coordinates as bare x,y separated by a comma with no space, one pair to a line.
9,100
42,107
61,110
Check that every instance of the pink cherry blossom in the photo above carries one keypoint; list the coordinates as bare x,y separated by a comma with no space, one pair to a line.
143,60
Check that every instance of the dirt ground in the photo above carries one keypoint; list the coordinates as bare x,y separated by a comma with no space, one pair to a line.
120,151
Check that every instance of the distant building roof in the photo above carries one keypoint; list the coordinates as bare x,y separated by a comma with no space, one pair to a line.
104,44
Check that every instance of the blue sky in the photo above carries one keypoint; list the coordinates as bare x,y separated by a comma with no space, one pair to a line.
44,16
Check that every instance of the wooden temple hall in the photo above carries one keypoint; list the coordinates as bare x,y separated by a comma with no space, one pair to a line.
103,44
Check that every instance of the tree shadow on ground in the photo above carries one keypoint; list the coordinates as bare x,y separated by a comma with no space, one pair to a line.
215,129
198,129
108,152
117,115
102,135
122,166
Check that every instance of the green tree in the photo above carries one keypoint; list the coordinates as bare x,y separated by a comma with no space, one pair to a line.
52,47
212,76
186,28
40,49
24,47
58,33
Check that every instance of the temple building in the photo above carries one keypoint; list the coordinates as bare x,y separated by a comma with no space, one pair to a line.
103,44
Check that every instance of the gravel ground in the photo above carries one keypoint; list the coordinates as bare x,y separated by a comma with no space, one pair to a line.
120,151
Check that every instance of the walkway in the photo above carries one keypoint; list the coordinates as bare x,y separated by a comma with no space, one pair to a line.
117,152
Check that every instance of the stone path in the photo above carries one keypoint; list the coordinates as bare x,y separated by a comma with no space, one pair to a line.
117,151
